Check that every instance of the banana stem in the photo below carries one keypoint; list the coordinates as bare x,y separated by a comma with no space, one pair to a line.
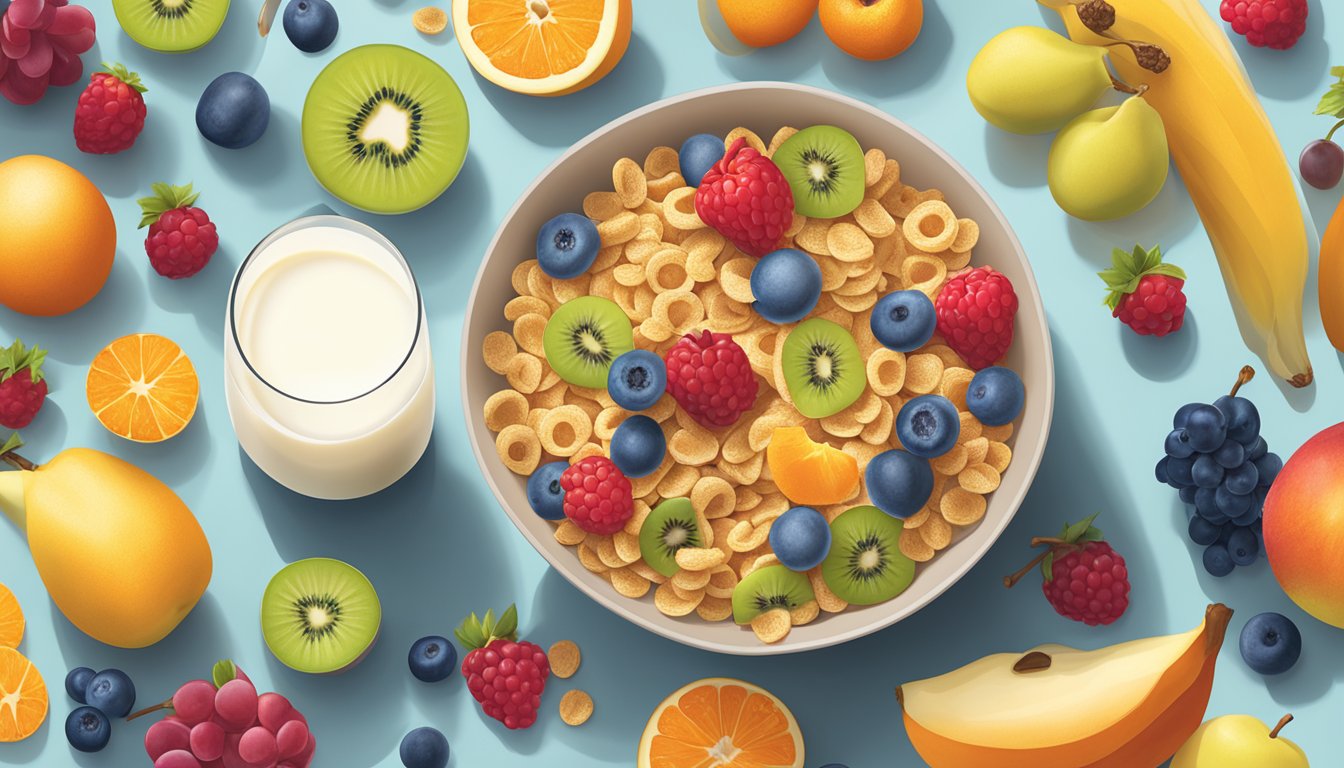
1286,719
1331,134
1244,375
1124,87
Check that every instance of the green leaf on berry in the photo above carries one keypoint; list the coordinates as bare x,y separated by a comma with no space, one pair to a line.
479,632
17,358
1079,532
166,197
224,671
1130,267
1332,103
125,75
14,443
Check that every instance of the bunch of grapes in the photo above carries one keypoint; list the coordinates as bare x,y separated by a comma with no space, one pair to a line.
229,727
1220,464
40,44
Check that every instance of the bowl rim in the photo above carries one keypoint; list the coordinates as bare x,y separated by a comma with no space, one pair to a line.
612,601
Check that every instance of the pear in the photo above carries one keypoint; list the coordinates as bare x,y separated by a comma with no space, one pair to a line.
1033,80
120,554
1239,741
1110,162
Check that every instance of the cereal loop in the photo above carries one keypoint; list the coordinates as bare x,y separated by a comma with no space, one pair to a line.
519,449
627,178
564,430
505,408
666,271
931,226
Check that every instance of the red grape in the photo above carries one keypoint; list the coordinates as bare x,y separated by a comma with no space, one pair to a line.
231,758
257,746
1322,164
207,741
165,736
178,758
291,739
236,703
194,702
273,711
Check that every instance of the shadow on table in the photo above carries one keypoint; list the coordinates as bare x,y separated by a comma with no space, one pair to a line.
1161,359
1280,74
913,71
116,311
237,48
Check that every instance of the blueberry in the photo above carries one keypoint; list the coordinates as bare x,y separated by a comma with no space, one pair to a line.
88,729
1230,454
1161,471
1207,428
567,245
787,285
1242,546
638,446
1231,504
898,483
928,426
1243,479
904,320
311,24
1256,448
1270,643
1179,470
800,538
1183,415
1217,560
77,683
1243,420
1206,472
1267,468
112,692
698,154
637,379
424,748
1202,532
432,659
1187,493
544,492
995,396
1178,444
233,111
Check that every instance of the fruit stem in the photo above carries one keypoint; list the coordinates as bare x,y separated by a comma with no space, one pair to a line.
157,707
18,462
1011,581
1286,719
1331,134
1124,87
1243,376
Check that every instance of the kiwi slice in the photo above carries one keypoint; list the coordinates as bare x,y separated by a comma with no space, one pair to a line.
583,337
824,167
865,566
171,26
385,129
669,527
320,616
822,368
768,588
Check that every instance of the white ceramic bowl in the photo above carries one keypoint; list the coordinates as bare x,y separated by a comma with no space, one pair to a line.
764,107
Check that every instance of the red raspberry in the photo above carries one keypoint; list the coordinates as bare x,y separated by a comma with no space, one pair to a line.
746,198
975,316
506,675
111,111
710,376
1274,24
597,496
22,386
1145,293
181,238
1084,578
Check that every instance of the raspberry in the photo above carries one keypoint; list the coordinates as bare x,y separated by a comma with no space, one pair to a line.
111,112
975,316
597,496
506,675
746,199
1084,578
1145,293
1276,24
710,377
22,386
181,238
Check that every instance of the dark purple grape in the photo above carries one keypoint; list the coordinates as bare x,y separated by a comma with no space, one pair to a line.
1322,164
1229,503
1188,493
1202,532
1230,454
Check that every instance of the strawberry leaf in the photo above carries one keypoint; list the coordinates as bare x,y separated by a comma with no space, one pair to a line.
1048,567
1128,268
1075,532
507,627
16,358
14,443
166,198
125,75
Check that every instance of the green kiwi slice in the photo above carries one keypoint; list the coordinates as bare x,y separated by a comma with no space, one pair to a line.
583,337
865,566
171,26
768,588
385,129
320,616
669,527
824,167
823,368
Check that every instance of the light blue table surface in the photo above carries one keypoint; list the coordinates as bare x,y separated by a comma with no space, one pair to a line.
438,546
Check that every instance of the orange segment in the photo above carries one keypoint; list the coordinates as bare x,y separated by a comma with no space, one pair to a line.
721,723
810,473
23,697
143,388
11,619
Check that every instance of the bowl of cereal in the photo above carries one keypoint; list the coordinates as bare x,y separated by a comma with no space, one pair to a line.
688,550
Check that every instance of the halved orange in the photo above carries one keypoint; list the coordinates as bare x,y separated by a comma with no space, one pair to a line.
23,697
143,388
721,723
543,47
810,473
11,619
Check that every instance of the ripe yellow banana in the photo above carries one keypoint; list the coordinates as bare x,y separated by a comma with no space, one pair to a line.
1230,160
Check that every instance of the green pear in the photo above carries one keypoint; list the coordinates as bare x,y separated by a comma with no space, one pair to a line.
1239,741
1110,162
1033,80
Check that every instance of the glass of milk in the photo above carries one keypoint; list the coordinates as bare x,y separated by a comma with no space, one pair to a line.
327,367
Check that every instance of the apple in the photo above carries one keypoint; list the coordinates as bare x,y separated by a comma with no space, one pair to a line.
1239,741
1304,526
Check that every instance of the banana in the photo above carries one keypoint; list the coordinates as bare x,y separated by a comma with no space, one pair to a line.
1230,160
1331,278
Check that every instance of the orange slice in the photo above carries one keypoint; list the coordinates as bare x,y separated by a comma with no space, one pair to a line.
143,388
810,473
721,723
11,619
23,697
543,47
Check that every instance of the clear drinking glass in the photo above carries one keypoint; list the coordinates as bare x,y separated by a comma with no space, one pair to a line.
327,367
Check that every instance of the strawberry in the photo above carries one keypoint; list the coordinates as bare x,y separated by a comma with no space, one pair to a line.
976,310
1145,293
746,198
23,388
710,377
181,238
1085,579
506,675
111,111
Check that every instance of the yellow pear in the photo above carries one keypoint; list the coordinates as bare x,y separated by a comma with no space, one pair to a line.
1240,741
1110,162
120,554
1033,80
